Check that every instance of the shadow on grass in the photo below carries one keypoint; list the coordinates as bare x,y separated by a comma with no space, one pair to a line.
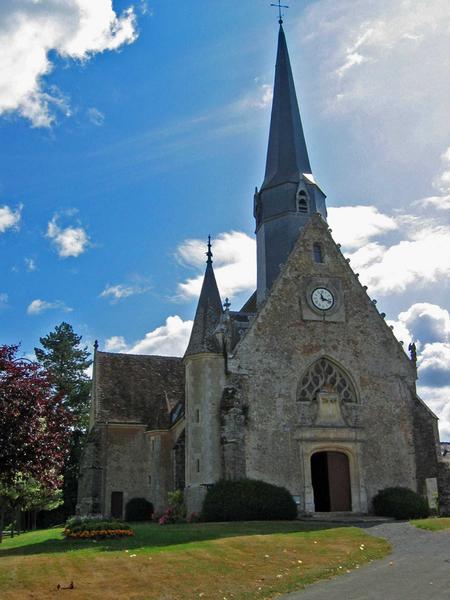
152,537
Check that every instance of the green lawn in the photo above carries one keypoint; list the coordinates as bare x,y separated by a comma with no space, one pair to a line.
239,561
433,524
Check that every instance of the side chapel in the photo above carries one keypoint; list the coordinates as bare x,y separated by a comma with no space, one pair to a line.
305,386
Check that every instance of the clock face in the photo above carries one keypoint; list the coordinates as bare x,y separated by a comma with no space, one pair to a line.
322,298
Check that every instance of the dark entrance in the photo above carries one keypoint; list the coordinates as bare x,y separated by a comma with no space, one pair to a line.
330,475
117,505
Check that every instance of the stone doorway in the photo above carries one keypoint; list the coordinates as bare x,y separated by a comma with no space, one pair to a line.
330,474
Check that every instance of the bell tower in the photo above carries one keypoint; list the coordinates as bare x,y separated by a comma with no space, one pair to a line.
289,194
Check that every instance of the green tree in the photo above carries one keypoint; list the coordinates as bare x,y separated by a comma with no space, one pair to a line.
67,362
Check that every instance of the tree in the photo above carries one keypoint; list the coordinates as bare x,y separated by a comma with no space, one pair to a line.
34,424
67,361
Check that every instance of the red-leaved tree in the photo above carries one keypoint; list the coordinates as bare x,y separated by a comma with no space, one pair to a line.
34,425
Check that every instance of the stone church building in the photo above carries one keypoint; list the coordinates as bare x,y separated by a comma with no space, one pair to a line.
305,386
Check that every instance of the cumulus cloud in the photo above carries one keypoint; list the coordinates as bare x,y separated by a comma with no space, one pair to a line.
234,264
171,339
9,218
36,307
31,30
354,226
118,292
260,98
69,241
364,51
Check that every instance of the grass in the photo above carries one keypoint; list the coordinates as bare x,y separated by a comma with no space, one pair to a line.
214,561
433,523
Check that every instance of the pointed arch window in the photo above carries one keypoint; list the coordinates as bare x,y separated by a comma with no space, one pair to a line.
302,202
324,375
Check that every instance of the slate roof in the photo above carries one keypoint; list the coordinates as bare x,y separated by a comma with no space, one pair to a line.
207,316
131,388
287,155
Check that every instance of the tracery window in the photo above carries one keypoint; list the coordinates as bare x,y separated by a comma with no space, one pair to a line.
324,375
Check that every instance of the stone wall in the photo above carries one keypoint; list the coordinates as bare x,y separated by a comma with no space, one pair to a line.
444,487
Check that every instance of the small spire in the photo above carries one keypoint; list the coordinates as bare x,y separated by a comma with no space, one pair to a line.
227,304
209,254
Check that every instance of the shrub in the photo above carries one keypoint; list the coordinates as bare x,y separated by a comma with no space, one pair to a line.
176,513
400,503
247,500
138,509
94,528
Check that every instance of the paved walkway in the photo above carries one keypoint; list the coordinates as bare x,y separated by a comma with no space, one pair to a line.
417,569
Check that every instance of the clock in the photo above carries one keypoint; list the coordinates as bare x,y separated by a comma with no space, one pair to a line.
322,298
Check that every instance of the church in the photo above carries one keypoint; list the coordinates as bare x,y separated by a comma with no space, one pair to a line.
305,386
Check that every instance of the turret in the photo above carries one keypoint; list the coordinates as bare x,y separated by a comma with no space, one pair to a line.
205,380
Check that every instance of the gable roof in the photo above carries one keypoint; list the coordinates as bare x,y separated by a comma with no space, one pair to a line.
130,388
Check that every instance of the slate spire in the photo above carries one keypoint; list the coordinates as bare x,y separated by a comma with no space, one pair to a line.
287,155
208,313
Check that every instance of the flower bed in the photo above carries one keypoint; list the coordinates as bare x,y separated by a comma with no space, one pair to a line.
93,528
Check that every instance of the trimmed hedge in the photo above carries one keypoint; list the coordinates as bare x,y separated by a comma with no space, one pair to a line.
400,503
247,500
138,509
93,528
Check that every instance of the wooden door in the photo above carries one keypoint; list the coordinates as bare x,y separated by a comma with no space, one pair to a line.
339,482
117,505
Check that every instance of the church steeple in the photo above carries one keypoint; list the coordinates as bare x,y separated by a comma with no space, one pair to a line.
289,195
207,316
287,155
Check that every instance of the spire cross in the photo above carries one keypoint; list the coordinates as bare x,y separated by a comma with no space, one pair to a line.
209,254
280,14
227,304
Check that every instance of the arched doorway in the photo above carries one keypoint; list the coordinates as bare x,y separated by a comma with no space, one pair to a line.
330,473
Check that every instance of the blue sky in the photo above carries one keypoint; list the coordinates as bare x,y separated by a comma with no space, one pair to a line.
130,131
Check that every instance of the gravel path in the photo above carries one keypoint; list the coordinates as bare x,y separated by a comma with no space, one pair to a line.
417,569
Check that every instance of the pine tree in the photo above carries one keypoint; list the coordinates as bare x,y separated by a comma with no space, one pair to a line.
67,361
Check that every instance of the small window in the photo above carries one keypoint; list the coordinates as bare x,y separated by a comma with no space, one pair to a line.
198,465
150,480
197,416
317,252
302,202
153,444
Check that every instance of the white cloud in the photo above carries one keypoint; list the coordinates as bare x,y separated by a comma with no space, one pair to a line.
31,29
438,399
69,241
30,264
95,116
442,184
170,339
3,300
364,52
9,218
37,306
422,258
260,98
234,264
354,226
427,322
121,291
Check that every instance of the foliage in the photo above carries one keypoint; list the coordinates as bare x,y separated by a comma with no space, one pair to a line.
176,512
93,528
247,500
34,424
400,503
139,509
66,361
